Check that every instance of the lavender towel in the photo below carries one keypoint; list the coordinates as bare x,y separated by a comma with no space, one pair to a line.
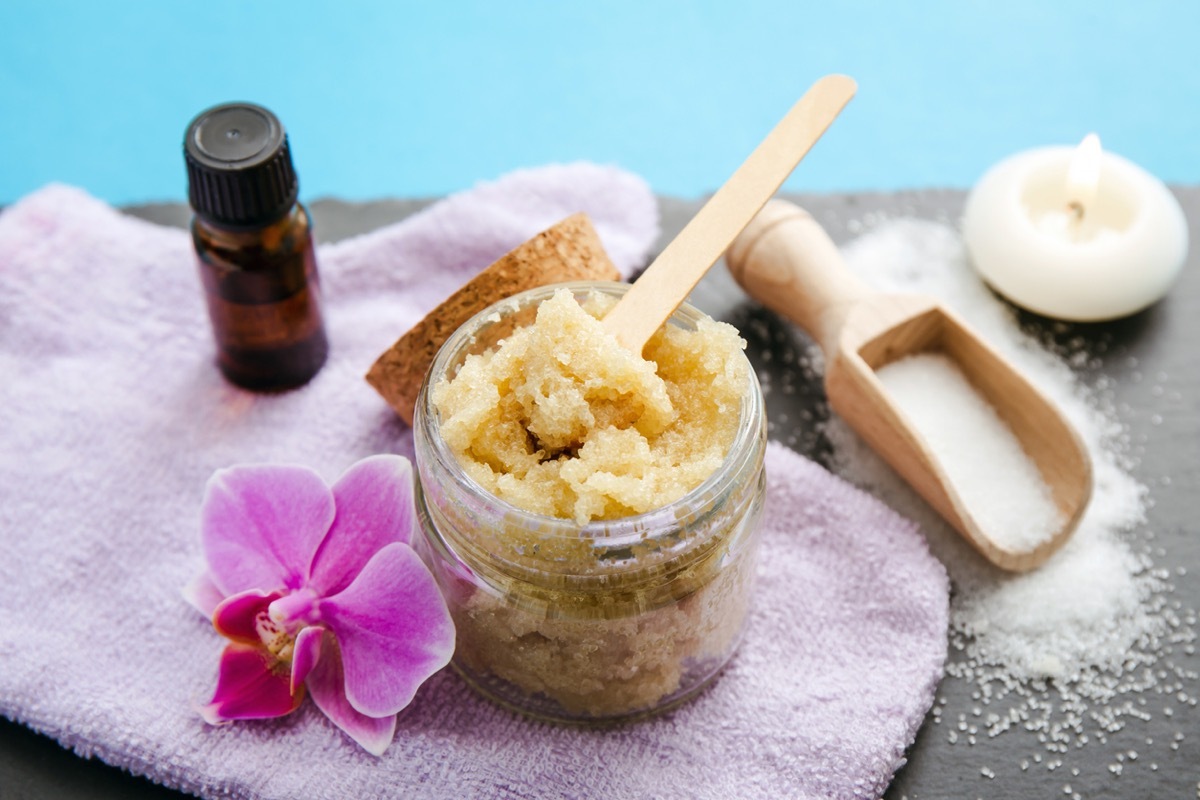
114,416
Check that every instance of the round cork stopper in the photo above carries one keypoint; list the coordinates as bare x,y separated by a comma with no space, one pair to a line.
568,251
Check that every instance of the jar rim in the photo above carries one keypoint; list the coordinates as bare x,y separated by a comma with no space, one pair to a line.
620,531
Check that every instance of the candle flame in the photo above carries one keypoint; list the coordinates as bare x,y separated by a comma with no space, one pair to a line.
1083,175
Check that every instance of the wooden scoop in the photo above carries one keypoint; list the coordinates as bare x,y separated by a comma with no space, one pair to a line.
679,267
787,262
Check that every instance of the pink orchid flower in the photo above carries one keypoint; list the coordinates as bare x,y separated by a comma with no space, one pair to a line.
319,588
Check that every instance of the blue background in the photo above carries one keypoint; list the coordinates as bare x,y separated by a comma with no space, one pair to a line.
418,99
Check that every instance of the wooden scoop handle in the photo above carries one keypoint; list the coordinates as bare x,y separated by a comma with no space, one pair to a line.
786,261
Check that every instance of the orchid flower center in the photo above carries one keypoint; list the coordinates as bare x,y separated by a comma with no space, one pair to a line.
278,625
279,642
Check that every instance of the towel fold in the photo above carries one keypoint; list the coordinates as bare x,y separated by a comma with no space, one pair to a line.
115,416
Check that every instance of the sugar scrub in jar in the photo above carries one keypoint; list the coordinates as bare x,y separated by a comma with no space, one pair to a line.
591,515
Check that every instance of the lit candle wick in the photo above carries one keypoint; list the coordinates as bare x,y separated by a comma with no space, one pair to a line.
1083,178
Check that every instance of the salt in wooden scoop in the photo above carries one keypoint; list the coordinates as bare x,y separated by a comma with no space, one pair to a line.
666,283
787,262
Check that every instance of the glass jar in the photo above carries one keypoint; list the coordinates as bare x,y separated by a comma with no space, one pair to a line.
596,622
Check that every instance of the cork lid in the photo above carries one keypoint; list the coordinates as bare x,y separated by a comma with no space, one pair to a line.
568,251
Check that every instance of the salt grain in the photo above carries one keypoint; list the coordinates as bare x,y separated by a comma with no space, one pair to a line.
994,477
1066,650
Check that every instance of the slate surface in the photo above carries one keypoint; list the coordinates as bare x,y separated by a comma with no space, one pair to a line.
1151,358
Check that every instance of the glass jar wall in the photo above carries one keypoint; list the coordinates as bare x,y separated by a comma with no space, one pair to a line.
604,620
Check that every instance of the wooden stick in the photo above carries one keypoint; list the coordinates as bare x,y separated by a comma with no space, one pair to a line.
670,279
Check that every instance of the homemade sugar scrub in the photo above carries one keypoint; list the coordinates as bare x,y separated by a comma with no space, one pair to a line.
590,515
979,453
560,420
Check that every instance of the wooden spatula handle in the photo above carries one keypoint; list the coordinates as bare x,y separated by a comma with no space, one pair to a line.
679,267
786,261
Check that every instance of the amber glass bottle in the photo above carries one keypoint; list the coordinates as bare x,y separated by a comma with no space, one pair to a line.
254,246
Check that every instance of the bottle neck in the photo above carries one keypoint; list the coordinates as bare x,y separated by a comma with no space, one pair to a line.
279,234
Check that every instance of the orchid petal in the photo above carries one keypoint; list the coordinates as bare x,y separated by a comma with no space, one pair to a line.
374,508
203,594
261,525
306,654
249,687
326,686
393,629
236,617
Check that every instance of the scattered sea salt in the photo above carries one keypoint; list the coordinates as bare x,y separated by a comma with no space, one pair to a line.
1067,653
995,478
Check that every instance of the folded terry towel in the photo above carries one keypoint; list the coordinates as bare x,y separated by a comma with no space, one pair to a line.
115,416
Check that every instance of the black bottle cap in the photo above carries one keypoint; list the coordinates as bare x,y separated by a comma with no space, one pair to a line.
240,172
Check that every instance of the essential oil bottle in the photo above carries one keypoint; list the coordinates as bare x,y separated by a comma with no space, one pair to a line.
254,247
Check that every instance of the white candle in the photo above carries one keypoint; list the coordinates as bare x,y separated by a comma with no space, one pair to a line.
1075,233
